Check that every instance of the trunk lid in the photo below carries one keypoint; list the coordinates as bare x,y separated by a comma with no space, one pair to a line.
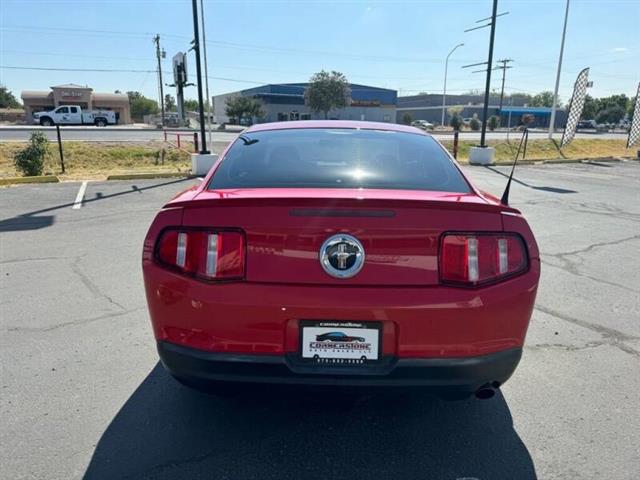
286,228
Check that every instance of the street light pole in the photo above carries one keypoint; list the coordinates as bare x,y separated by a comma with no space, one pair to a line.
552,120
196,50
206,71
444,89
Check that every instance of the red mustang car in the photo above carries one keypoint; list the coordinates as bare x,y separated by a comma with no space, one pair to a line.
303,229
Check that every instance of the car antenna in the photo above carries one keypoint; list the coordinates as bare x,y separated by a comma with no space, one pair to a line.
525,138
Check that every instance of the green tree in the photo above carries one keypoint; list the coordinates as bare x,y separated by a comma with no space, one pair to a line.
7,99
169,103
191,105
30,160
611,115
493,122
327,91
141,105
455,117
407,118
590,109
239,107
474,124
543,99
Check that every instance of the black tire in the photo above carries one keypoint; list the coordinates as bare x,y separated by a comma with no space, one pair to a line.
100,122
46,122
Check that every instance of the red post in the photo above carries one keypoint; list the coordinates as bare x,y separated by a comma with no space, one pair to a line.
195,142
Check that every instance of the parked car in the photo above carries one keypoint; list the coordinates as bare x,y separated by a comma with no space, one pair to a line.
587,124
304,229
74,115
423,124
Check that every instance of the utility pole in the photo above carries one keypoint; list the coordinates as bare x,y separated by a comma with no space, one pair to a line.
444,89
504,67
485,110
488,63
552,120
159,55
196,50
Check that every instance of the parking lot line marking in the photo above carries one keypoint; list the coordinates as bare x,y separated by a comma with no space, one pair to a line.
80,196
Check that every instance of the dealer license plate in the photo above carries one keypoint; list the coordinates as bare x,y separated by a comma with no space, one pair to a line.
346,343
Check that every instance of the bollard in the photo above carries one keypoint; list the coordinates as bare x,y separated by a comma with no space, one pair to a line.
165,135
195,142
455,144
60,147
178,136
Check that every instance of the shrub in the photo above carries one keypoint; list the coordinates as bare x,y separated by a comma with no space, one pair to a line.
474,124
30,160
493,123
407,118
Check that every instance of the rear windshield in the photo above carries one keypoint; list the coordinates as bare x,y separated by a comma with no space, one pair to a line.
337,158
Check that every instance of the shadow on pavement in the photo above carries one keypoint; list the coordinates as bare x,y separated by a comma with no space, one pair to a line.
167,431
31,220
533,187
17,224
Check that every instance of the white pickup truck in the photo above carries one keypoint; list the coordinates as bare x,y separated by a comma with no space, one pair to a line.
73,115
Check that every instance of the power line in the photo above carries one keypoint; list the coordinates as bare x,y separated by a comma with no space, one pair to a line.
98,70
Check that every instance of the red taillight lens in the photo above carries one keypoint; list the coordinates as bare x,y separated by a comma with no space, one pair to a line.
474,259
208,254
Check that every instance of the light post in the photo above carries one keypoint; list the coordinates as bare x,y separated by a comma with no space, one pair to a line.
444,89
552,120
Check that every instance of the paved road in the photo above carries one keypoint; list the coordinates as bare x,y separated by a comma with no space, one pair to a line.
95,134
83,394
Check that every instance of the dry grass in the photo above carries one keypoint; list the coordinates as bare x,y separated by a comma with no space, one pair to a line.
543,149
96,160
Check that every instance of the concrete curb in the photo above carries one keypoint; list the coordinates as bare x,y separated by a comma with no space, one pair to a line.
38,179
142,176
557,161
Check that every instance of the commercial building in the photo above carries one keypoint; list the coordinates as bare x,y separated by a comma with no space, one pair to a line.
71,94
429,107
285,102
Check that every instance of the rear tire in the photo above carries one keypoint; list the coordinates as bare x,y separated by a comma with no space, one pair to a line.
100,122
46,122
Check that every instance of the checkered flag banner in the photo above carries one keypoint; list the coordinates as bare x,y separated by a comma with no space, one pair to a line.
575,107
634,133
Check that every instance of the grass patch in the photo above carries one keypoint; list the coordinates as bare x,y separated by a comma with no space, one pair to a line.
544,149
97,160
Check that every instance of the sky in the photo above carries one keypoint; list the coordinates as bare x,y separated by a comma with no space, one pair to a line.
393,44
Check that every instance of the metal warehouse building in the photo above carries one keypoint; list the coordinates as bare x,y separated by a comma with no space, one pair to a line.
285,102
429,107
72,94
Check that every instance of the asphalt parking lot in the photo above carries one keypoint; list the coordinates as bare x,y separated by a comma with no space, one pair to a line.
82,394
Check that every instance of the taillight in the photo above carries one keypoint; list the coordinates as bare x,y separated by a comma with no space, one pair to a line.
474,259
207,254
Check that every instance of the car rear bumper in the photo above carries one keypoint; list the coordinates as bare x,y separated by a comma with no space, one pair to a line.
465,374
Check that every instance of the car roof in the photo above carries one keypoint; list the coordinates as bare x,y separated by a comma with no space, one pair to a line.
389,127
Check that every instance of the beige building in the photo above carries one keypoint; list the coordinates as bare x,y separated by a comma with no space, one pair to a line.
71,94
